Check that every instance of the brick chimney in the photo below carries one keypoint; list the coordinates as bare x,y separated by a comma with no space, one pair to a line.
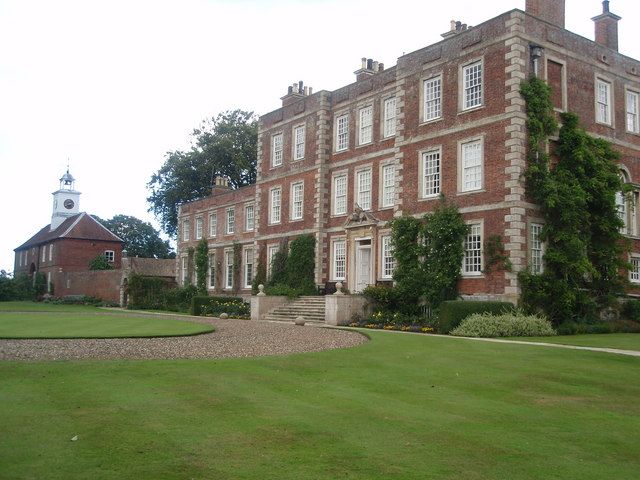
368,68
220,185
295,92
551,11
607,27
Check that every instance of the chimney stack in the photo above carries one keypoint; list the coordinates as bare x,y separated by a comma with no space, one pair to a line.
551,11
368,68
220,185
295,92
606,25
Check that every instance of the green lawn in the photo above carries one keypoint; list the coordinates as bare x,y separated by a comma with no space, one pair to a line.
624,341
398,407
49,307
74,321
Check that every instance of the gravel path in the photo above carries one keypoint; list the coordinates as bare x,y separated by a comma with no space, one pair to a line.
232,338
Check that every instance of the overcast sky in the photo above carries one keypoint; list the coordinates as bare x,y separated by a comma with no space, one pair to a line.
113,85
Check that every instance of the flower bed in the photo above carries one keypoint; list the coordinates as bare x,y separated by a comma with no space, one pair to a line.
396,321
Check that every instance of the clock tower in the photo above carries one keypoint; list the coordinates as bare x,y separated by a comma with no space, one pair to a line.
65,201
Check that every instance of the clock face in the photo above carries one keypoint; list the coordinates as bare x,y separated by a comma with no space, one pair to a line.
68,204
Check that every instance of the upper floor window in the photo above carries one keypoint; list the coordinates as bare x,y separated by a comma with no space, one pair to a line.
432,98
297,200
198,228
366,125
213,224
471,166
298,142
185,230
340,194
275,205
603,102
276,150
389,117
632,111
472,262
431,173
342,132
363,187
249,218
388,185
231,220
110,256
472,86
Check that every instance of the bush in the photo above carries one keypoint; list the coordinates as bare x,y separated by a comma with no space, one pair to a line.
383,298
214,306
453,312
156,293
307,288
511,324
631,310
582,328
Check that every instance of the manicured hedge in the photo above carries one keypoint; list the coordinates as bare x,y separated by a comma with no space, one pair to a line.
232,306
452,312
512,324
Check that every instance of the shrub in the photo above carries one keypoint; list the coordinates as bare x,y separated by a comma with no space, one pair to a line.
452,312
100,263
631,310
511,324
581,328
292,292
383,298
155,293
232,306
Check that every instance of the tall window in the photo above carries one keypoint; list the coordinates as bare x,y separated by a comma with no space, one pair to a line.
339,260
297,200
340,194
472,262
211,271
275,205
366,125
185,270
185,230
471,165
621,205
298,143
213,224
231,220
388,185
228,260
248,267
276,150
633,102
198,228
271,254
388,261
50,251
634,272
603,102
537,251
44,254
432,98
249,218
431,173
389,117
363,180
342,132
472,88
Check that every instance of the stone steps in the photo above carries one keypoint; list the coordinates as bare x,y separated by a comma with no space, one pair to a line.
311,308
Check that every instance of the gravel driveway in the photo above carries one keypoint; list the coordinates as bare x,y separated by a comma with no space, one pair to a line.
232,338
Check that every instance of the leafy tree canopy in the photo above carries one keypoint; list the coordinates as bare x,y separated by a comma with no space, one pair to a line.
225,145
140,238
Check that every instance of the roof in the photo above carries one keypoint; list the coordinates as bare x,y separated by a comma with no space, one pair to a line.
80,226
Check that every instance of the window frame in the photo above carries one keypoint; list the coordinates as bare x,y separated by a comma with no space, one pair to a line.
199,228
272,205
364,169
228,269
463,89
277,160
630,91
211,279
480,256
186,230
608,110
368,125
563,79
213,224
334,265
387,118
298,155
422,179
338,146
245,251
249,220
272,250
382,194
634,271
536,265
230,224
423,98
292,197
386,252
462,167
334,193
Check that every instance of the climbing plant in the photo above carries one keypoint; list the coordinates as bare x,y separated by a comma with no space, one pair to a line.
576,194
202,264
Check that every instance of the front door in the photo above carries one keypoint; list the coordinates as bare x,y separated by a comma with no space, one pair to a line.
363,267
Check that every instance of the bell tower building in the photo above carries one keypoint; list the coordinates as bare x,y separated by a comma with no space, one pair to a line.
66,201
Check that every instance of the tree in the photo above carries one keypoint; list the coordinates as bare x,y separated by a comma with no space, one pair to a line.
225,145
202,264
140,238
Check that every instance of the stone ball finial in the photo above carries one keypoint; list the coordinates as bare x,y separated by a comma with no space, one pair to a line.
299,321
339,289
261,291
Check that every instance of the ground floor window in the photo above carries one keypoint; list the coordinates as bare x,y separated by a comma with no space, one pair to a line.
339,260
634,272
229,269
472,262
248,267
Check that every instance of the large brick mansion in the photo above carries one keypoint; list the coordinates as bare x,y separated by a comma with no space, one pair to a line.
446,119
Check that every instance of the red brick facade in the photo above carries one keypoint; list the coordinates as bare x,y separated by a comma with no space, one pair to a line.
447,119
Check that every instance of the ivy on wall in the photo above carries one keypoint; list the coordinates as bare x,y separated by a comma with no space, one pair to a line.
584,248
202,265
